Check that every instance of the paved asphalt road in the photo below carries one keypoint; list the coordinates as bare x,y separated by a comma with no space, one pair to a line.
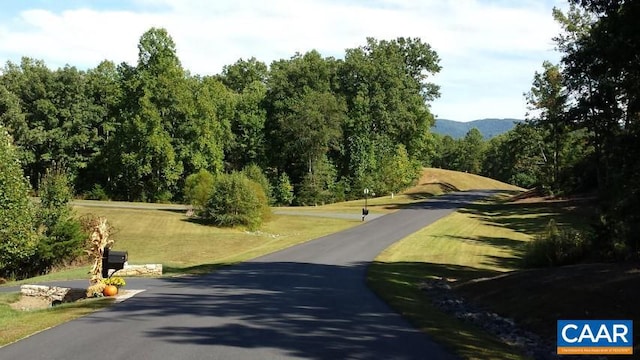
306,302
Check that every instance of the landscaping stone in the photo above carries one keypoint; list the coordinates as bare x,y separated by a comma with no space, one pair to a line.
533,346
140,270
52,294
442,296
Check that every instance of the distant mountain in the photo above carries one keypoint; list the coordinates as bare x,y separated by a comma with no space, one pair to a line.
488,127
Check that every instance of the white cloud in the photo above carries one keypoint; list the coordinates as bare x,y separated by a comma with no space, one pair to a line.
489,51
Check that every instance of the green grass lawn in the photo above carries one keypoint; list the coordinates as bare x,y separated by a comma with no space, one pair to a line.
16,324
183,245
479,241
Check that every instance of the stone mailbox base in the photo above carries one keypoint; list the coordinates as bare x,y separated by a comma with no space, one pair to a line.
140,270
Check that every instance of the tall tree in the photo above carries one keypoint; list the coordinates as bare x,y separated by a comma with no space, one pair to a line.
603,76
548,103
244,73
33,83
248,144
18,239
304,115
144,159
387,93
472,151
103,87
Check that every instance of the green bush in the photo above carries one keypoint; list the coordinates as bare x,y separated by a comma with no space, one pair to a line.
254,173
63,239
556,247
97,192
284,190
197,189
236,200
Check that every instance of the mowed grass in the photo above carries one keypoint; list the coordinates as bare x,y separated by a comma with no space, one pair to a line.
432,182
459,247
183,245
480,241
16,324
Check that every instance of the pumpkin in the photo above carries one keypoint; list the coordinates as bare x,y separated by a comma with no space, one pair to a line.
110,290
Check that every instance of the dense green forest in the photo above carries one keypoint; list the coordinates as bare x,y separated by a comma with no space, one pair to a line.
313,129
489,128
334,127
582,134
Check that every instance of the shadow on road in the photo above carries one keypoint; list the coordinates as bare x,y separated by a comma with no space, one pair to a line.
307,310
451,201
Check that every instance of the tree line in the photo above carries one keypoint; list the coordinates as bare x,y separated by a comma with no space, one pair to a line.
582,133
314,129
136,132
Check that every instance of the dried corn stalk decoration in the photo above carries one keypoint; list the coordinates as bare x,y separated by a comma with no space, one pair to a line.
99,231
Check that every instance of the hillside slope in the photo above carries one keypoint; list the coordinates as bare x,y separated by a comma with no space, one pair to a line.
449,180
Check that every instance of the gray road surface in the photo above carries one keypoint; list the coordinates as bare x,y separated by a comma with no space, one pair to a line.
306,302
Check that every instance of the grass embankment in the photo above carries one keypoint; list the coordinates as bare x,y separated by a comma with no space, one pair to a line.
459,247
433,182
170,238
478,248
16,324
183,245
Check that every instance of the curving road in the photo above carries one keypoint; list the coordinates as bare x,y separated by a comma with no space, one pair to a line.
306,302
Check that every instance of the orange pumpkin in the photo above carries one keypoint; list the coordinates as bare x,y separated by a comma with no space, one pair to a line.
110,290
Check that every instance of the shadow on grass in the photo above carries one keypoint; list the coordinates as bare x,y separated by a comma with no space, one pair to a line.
198,221
529,218
201,269
175,211
537,298
419,194
397,284
514,247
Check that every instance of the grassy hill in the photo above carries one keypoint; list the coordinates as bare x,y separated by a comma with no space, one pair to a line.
487,127
478,250
449,180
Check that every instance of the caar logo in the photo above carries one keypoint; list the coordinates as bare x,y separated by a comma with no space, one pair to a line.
582,337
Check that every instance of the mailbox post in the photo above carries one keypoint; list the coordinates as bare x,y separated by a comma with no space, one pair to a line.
365,211
113,260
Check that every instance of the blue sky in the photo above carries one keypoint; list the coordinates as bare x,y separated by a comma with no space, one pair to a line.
489,49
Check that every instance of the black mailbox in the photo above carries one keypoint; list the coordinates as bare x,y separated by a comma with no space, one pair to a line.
113,260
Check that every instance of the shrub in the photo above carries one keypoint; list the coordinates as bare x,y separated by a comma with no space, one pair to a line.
254,173
284,190
236,200
63,238
197,189
556,247
97,192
